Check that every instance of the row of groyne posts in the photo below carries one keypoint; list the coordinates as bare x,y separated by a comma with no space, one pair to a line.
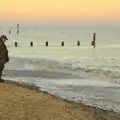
93,43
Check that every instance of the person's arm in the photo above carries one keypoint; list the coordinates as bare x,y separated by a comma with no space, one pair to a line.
6,57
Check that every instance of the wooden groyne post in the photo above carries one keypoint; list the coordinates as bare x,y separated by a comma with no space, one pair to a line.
17,28
9,32
16,44
78,43
31,44
46,43
62,43
93,43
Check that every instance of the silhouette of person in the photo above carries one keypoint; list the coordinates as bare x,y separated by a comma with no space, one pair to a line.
4,58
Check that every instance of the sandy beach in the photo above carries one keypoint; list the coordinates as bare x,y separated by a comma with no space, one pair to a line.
19,103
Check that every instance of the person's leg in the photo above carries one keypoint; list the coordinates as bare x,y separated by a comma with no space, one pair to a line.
0,73
1,69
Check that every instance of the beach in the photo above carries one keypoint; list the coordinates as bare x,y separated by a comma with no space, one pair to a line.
19,103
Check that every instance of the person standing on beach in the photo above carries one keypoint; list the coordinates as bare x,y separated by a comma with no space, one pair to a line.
4,58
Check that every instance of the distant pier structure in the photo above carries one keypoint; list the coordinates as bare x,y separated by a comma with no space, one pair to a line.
18,28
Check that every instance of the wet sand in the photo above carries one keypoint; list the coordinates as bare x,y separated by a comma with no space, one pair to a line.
19,103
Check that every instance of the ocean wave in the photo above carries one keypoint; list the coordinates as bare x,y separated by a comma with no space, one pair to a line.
70,67
98,73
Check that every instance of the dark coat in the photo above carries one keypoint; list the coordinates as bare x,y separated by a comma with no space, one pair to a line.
3,53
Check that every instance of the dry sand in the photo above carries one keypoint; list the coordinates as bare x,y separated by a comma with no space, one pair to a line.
19,103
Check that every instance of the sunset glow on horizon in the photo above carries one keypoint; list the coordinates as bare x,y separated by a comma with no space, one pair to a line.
60,10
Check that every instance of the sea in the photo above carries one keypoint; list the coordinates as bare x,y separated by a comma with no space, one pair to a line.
77,73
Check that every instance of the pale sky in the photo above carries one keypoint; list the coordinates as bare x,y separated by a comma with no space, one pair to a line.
101,10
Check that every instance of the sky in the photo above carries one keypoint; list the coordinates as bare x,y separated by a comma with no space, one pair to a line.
60,10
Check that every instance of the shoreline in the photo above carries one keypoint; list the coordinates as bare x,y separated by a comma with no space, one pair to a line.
86,112
34,86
